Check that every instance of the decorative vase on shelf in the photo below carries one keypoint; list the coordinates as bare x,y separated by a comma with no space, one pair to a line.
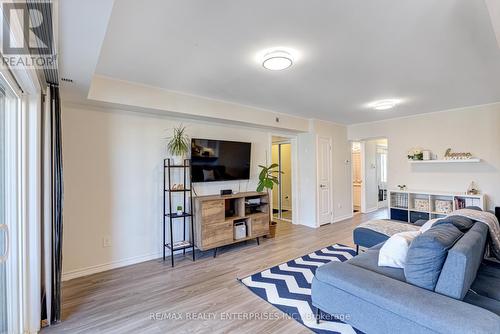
472,190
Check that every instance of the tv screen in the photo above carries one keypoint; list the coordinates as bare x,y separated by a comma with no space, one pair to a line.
219,160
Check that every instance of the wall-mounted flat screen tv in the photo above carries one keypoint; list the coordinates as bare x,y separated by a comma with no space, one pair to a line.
219,160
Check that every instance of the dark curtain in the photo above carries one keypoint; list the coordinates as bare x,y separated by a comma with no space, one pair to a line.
54,146
57,184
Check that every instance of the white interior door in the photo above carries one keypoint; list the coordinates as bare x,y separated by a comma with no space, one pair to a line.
324,180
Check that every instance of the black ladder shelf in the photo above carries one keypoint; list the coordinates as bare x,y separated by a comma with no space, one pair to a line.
187,241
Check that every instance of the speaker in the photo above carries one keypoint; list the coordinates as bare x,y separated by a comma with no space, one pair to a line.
226,192
497,212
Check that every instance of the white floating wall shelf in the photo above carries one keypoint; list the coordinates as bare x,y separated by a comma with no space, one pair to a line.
443,161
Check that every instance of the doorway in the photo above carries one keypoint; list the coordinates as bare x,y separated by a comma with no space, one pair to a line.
382,149
369,175
281,154
356,176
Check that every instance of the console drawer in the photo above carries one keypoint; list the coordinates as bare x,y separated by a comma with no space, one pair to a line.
212,211
217,234
260,225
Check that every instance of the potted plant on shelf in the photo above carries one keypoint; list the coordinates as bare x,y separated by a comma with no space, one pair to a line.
268,177
178,145
415,154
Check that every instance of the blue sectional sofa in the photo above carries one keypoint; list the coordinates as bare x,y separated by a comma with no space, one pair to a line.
377,299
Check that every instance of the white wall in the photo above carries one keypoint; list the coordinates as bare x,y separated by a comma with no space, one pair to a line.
475,129
369,202
342,185
306,151
113,180
113,183
138,95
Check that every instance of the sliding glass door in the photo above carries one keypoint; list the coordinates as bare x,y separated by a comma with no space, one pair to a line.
4,232
10,287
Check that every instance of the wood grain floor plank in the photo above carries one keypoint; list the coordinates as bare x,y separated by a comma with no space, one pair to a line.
122,300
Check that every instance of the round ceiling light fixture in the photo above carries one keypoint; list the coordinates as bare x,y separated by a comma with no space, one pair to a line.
384,104
277,60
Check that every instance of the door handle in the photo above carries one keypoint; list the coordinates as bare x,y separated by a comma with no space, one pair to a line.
5,227
322,186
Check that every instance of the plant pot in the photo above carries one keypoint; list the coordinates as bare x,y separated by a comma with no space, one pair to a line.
178,160
272,229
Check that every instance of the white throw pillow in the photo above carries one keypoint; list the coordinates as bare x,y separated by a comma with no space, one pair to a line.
427,225
393,252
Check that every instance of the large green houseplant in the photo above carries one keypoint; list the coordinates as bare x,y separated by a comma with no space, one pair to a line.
178,144
268,178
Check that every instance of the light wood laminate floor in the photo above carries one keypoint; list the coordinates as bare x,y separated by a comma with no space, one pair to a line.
124,300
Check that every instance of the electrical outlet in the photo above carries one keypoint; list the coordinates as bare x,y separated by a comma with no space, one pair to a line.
106,242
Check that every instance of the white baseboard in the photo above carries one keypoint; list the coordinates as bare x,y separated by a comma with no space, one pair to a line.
371,210
66,276
338,219
382,204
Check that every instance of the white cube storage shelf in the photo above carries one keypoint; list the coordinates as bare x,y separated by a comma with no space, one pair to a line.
411,206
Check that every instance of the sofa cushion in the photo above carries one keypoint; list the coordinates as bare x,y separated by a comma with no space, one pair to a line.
427,255
369,261
373,232
462,263
393,252
462,223
367,238
484,302
487,281
374,302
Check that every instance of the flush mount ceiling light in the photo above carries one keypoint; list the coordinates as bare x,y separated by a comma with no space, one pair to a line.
384,104
277,60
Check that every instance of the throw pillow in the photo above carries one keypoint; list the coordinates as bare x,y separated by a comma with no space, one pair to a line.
208,175
428,225
420,222
393,252
427,254
460,222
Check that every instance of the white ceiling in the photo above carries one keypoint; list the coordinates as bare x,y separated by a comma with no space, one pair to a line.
435,55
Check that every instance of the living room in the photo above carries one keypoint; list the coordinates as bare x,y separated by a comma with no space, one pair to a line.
229,166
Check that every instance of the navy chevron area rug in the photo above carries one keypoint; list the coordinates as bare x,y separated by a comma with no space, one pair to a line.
288,287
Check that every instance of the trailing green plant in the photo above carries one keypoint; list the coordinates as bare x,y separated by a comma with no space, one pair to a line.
178,144
268,177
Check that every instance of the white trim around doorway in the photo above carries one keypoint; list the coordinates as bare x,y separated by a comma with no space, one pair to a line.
295,177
